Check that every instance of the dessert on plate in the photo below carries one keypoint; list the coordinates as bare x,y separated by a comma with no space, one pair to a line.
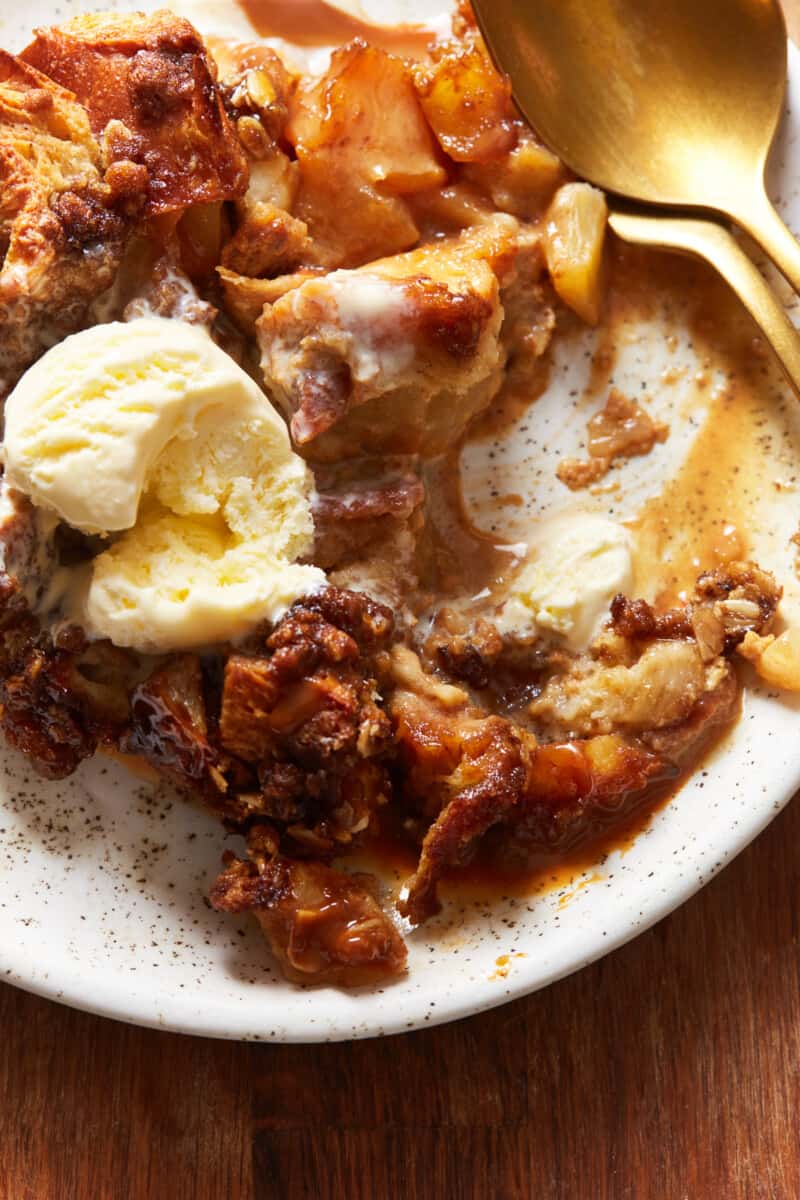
249,313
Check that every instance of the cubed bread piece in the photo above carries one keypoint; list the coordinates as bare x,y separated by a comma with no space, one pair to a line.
397,356
149,88
62,224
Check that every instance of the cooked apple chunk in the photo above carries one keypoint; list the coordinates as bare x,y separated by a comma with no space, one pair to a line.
575,228
362,143
467,102
776,659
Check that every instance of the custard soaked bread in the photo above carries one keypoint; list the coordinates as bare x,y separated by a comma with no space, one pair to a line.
104,123
148,87
63,216
274,594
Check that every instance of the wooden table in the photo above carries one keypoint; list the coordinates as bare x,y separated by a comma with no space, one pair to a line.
668,1071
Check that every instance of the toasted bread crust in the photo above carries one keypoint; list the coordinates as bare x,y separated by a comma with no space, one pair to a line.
149,90
62,220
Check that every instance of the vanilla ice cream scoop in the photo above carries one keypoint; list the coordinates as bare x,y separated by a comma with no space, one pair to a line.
151,431
86,424
567,586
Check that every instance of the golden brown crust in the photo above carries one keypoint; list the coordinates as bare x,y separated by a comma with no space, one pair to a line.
400,372
245,298
62,224
149,89
268,242
323,926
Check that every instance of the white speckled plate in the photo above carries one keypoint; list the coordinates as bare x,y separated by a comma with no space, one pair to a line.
102,881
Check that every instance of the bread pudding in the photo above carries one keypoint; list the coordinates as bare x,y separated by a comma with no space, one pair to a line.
249,314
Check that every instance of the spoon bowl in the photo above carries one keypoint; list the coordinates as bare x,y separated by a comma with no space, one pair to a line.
664,103
672,104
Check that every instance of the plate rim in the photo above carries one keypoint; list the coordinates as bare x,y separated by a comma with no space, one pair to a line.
177,1013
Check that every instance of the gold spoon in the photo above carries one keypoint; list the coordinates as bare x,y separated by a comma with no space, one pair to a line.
714,243
670,102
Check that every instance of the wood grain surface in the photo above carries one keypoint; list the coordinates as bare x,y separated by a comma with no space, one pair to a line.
668,1071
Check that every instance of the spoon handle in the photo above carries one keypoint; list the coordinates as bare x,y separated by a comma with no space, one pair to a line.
758,217
706,239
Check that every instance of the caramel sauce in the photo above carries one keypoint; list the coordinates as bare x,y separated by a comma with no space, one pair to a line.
138,766
699,520
560,870
511,404
487,879
461,559
313,23
395,857
503,964
703,516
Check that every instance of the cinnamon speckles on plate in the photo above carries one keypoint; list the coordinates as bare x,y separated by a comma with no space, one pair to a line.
103,877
